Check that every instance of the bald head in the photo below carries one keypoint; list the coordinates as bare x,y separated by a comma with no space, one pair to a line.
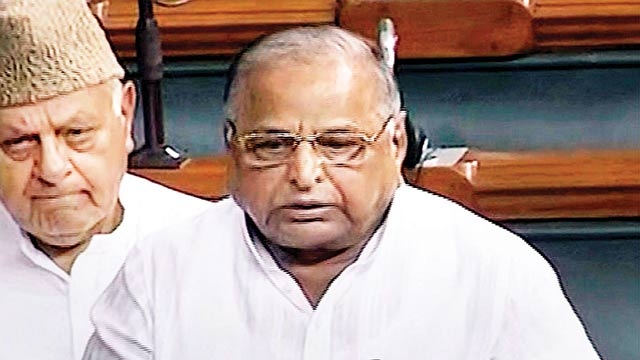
316,47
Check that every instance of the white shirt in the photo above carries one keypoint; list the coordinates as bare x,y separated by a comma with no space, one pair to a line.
439,282
44,312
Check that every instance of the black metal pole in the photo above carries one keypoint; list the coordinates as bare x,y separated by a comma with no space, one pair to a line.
154,153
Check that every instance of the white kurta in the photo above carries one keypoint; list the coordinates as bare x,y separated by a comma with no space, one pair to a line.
44,312
436,282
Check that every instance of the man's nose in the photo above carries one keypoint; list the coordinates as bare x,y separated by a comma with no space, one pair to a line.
305,168
53,163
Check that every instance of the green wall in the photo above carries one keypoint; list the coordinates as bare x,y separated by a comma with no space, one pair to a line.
548,101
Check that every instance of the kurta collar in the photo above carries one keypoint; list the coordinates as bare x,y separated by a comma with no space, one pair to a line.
279,277
264,258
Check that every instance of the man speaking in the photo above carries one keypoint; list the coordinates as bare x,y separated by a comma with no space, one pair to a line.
323,252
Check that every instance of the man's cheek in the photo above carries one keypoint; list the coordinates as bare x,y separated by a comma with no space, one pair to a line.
13,182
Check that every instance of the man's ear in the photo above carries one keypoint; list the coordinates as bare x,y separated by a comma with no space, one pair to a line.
399,138
128,111
229,131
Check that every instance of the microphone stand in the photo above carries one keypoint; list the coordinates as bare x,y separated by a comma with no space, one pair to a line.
154,153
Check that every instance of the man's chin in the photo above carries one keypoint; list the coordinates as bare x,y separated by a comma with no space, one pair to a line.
63,229
310,235
62,239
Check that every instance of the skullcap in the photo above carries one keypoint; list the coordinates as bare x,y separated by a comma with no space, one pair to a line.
50,48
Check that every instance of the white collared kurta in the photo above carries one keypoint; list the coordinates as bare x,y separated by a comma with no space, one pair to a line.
435,282
44,312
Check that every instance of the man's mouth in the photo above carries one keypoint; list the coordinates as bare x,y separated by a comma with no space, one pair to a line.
56,195
306,212
58,199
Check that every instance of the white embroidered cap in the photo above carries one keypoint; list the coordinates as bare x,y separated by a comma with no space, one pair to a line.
50,48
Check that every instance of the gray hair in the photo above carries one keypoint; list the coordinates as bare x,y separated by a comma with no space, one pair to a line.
305,45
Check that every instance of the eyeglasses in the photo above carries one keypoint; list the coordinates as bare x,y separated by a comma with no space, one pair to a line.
335,148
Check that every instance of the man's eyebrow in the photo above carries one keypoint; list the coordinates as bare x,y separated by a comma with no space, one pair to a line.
267,130
341,129
13,130
16,129
81,117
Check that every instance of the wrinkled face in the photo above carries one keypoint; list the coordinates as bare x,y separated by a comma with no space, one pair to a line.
305,203
61,162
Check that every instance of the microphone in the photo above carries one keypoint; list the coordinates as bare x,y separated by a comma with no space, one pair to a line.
418,145
154,153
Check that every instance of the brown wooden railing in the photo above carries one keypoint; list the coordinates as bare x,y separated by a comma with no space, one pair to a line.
427,28
214,27
559,24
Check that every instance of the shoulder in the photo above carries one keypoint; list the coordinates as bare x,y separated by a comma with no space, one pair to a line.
427,210
211,230
185,251
136,189
218,216
153,205
435,236
433,221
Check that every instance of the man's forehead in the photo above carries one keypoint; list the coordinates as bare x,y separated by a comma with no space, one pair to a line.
61,109
336,96
329,75
324,64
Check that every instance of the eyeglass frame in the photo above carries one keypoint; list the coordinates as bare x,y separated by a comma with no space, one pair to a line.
240,139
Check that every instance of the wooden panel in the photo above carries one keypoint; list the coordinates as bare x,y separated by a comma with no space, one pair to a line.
494,28
427,28
564,204
214,27
585,23
544,185
202,177
446,181
501,186
510,171
441,29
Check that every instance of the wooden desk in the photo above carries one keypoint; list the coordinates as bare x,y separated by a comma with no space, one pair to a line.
545,185
203,177
499,185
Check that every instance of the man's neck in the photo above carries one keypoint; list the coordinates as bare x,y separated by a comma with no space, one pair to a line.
62,256
65,256
315,279
313,269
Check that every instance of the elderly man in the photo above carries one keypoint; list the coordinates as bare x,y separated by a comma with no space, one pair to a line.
68,214
323,252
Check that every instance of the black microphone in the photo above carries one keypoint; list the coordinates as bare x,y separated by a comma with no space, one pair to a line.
154,153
